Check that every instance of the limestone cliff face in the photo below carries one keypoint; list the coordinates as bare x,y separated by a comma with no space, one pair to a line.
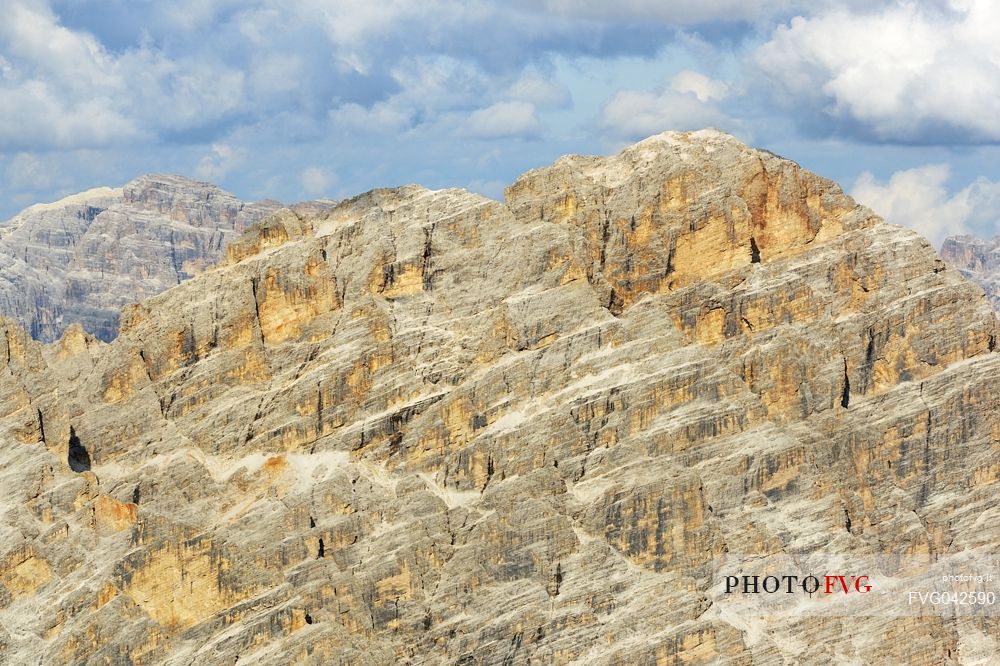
426,427
978,260
81,259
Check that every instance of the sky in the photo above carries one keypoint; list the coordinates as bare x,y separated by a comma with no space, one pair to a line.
899,102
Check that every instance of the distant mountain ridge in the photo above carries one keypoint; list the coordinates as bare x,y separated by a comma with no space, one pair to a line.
977,259
82,258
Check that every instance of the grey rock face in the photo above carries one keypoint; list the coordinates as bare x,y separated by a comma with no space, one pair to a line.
81,259
978,260
430,428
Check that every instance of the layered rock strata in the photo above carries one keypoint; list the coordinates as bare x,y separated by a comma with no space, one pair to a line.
426,427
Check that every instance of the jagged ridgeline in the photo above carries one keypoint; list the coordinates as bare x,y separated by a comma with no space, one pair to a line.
426,427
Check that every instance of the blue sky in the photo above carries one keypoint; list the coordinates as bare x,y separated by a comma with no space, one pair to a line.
897,101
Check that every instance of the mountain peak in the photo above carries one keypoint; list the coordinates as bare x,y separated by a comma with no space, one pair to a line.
171,183
94,195
97,197
431,427
170,180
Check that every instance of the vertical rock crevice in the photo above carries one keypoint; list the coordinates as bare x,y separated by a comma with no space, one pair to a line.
77,457
845,395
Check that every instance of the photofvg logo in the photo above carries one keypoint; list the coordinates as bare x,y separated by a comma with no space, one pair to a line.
790,584
848,585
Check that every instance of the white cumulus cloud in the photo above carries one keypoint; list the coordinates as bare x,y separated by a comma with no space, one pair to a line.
687,103
316,181
26,171
220,160
678,11
503,119
911,72
381,117
919,198
534,88
63,88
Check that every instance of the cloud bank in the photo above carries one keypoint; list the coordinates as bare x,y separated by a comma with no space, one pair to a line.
918,198
910,73
324,98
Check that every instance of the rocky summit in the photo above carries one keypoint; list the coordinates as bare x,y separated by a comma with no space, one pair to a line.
81,259
426,427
